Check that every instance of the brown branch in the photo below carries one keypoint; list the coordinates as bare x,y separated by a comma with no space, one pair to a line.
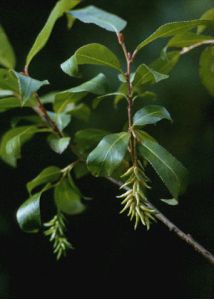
172,227
42,112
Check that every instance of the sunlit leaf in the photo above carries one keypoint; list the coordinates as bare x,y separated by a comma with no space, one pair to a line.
9,103
101,18
7,55
29,216
59,145
145,74
208,15
172,202
28,86
150,114
91,54
12,141
171,29
189,39
61,119
60,8
109,154
8,81
166,62
48,175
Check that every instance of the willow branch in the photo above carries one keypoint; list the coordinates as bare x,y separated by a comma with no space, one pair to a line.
172,227
42,112
190,48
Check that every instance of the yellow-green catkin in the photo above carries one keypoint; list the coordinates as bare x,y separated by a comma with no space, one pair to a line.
134,199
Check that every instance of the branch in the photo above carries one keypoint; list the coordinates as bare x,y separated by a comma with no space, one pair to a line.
42,112
190,48
172,227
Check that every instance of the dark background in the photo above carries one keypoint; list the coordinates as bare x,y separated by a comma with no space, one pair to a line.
111,259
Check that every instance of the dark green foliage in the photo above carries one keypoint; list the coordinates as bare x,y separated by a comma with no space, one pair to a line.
122,155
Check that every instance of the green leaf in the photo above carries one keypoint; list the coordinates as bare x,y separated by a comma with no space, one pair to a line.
60,8
61,119
66,100
87,139
9,103
58,145
80,170
97,85
170,170
81,111
63,100
8,81
91,54
145,74
68,198
109,154
171,29
150,114
48,175
123,89
7,55
166,62
12,141
28,86
172,202
28,215
97,100
99,17
206,69
208,15
5,93
189,39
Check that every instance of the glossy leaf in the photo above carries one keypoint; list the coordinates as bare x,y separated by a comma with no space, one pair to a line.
208,15
58,145
5,93
28,86
91,54
109,154
68,198
170,170
166,62
206,69
171,29
60,8
97,100
87,139
48,175
9,103
99,17
12,141
8,81
7,55
145,74
189,39
172,202
28,215
61,119
150,114
97,85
